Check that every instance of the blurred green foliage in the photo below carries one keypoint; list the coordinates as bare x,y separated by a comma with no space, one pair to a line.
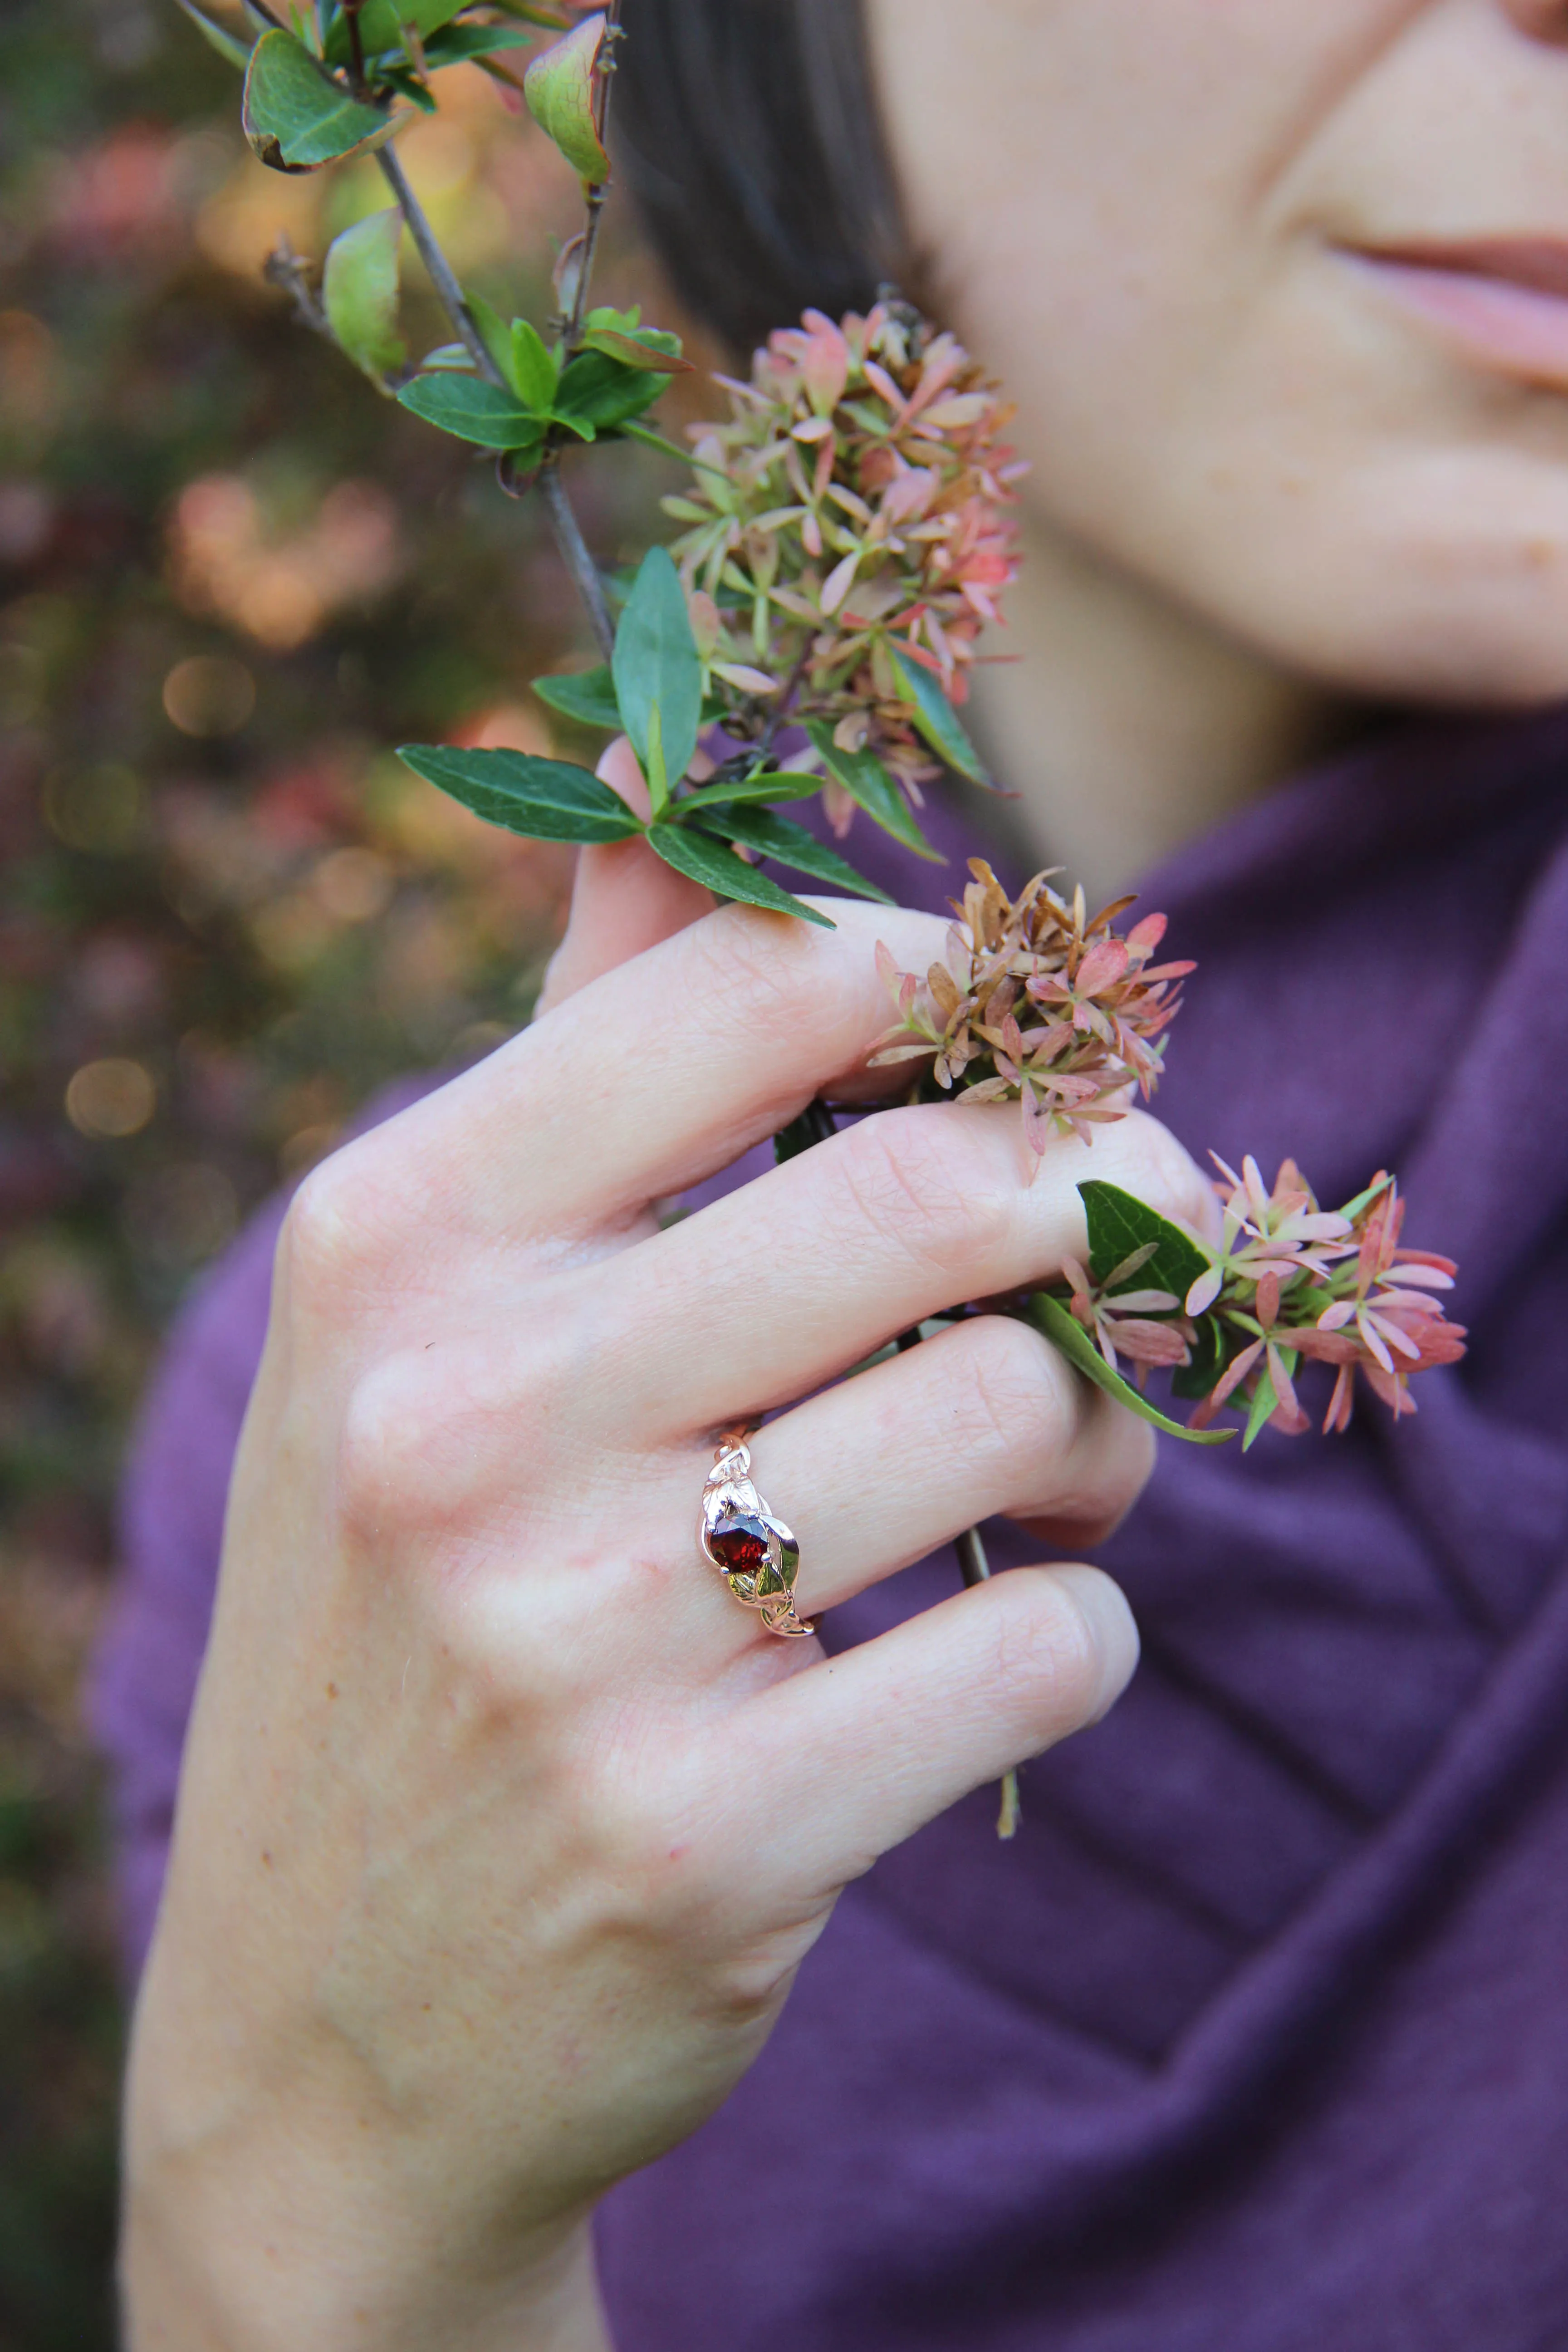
231,574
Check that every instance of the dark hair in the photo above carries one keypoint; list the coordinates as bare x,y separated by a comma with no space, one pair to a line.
747,132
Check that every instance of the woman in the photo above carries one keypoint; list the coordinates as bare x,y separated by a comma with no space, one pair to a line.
503,1833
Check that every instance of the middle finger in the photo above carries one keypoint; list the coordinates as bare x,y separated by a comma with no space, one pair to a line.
781,1286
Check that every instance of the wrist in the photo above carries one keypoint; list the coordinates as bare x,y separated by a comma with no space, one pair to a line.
275,2217
206,2273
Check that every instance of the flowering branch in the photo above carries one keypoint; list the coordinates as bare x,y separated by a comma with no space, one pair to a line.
1233,1321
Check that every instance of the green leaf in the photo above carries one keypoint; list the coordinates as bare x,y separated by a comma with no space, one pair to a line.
494,334
544,799
767,784
779,837
729,876
296,117
605,394
870,787
1067,1334
1119,1224
381,23
655,660
456,44
533,372
1353,1209
621,336
936,717
559,88
228,45
472,410
407,84
658,774
359,292
1265,1404
588,696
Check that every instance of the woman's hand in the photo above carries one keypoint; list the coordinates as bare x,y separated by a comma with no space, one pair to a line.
503,1827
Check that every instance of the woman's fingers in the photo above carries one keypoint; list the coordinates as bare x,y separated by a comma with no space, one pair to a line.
867,1746
653,1076
981,1419
769,1292
624,898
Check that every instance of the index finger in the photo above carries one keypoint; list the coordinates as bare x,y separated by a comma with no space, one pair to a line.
660,1073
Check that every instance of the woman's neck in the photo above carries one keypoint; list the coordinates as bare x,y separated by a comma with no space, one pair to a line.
1125,725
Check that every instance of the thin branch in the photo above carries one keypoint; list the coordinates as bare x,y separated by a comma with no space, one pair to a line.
575,552
569,538
600,190
975,1569
442,278
782,708
356,46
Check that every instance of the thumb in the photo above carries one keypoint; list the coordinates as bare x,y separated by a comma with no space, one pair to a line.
625,898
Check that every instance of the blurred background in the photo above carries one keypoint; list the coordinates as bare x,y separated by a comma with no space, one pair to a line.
231,576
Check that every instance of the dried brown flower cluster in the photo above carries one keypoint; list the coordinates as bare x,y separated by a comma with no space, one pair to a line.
1038,1004
852,514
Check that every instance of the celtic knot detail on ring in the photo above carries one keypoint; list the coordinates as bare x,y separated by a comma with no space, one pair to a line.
754,1553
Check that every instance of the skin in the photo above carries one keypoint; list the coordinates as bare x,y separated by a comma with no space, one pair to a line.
478,1900
1264,497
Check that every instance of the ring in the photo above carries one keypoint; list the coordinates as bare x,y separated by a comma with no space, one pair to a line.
754,1553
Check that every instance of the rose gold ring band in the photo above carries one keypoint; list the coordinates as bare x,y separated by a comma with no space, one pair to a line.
754,1553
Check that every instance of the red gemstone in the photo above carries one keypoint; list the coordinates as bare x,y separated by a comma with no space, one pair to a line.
740,1545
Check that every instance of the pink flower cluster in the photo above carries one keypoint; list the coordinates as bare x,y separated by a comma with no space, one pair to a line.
1339,1290
1039,1003
855,504
1287,1280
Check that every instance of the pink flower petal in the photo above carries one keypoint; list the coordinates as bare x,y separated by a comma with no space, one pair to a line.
1341,1402
839,582
1373,1341
1234,1374
1205,1290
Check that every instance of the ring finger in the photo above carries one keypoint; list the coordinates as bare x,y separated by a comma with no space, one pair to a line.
983,1419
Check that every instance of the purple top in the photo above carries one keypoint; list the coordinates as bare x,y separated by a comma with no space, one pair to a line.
1256,2040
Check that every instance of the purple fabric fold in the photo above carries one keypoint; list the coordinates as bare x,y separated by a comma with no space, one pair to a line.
1257,2035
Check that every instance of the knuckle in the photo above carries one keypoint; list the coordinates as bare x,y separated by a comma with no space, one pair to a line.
1050,1656
390,1448
800,995
319,1225
916,1176
1097,1483
1013,1405
771,980
334,1241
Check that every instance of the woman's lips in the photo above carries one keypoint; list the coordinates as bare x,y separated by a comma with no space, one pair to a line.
1505,301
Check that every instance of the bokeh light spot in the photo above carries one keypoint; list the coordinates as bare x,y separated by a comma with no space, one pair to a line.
209,694
354,885
113,1097
95,808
